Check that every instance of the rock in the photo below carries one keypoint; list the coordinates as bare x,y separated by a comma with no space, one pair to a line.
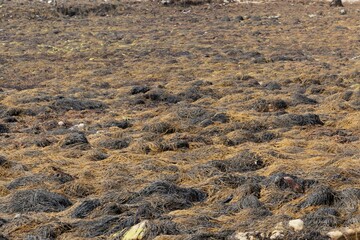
343,12
297,224
37,200
78,127
61,123
334,235
137,231
166,2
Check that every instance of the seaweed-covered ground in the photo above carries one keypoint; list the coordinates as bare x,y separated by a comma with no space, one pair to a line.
197,120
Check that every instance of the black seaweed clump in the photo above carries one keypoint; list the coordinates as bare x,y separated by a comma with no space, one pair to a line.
85,208
37,200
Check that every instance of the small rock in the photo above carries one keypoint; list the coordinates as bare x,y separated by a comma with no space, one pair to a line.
335,234
297,224
343,12
78,127
61,123
137,231
166,2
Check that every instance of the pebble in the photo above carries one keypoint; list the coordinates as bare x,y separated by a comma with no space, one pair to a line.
335,234
61,123
80,127
343,12
297,224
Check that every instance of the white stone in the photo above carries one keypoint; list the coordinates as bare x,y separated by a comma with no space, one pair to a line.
297,224
342,11
61,123
335,234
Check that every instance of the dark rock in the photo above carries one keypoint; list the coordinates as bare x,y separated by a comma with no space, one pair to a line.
320,196
37,200
66,104
85,208
139,89
74,140
114,144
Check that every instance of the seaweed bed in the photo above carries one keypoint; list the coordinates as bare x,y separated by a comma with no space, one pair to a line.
198,120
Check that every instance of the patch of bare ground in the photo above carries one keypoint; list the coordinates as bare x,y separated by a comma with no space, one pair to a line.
193,120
